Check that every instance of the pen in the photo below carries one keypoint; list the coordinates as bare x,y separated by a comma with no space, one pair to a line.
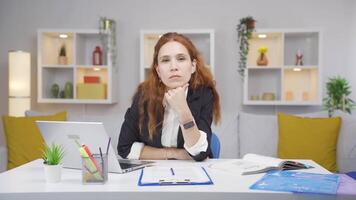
107,147
172,171
101,156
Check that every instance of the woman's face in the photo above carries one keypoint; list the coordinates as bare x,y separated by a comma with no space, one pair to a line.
174,65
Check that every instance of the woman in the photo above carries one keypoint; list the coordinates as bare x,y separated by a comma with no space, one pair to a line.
172,111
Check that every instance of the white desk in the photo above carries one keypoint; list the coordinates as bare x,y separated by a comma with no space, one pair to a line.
28,182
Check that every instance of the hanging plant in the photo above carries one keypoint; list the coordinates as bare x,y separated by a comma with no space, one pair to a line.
338,91
244,33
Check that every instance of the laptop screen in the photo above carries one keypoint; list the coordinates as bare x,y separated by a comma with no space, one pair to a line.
92,134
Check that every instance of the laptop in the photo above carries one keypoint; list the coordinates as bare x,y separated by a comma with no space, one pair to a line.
93,135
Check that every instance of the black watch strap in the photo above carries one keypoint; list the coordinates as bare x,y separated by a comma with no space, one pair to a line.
189,124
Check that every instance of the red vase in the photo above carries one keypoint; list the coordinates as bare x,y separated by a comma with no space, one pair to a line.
97,56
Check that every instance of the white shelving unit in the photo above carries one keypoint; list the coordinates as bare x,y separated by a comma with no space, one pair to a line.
203,40
79,45
281,78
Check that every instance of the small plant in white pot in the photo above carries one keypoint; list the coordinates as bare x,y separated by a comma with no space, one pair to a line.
52,157
62,58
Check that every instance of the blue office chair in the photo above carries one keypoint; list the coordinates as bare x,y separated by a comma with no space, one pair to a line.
352,174
215,145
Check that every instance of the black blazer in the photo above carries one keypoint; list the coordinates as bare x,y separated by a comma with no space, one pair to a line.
200,102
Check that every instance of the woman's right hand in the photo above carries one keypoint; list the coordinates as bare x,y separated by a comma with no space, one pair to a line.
178,154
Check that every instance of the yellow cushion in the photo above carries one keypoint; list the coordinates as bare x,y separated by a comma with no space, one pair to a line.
309,138
24,140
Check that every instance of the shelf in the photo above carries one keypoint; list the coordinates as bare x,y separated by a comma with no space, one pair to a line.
274,44
202,42
55,76
99,86
291,103
101,72
75,101
262,82
307,43
203,39
58,66
50,47
301,85
300,67
264,67
288,83
85,45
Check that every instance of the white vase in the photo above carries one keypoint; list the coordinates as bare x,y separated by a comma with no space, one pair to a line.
53,173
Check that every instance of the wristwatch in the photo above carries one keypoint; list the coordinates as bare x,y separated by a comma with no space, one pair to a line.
189,124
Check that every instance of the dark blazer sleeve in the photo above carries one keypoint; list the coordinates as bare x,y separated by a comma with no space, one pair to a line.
130,129
204,121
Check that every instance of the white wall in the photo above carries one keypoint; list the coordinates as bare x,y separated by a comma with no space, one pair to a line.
19,21
351,51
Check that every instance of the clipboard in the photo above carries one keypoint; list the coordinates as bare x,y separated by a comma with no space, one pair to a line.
170,176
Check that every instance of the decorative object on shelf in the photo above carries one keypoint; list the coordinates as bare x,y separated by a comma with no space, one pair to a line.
68,90
55,90
52,157
244,33
61,94
62,59
305,96
19,83
97,56
107,29
299,58
91,79
91,91
255,97
268,96
338,92
262,58
289,96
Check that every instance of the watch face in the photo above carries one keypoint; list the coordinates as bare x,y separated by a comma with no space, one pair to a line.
188,125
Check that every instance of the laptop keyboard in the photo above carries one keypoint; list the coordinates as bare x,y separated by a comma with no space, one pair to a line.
128,165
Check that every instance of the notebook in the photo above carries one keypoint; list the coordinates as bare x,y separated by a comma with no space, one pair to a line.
93,135
254,164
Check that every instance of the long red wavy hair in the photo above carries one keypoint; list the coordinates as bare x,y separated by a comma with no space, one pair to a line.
152,90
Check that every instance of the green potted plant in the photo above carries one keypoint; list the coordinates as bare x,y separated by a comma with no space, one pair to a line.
244,33
338,92
52,157
62,58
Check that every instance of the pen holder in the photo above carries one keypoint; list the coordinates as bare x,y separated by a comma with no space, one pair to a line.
95,169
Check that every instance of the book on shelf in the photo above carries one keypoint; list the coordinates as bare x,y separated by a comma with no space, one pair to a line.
254,164
91,79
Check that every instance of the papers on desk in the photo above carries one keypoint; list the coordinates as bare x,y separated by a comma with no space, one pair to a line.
300,182
159,175
254,164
